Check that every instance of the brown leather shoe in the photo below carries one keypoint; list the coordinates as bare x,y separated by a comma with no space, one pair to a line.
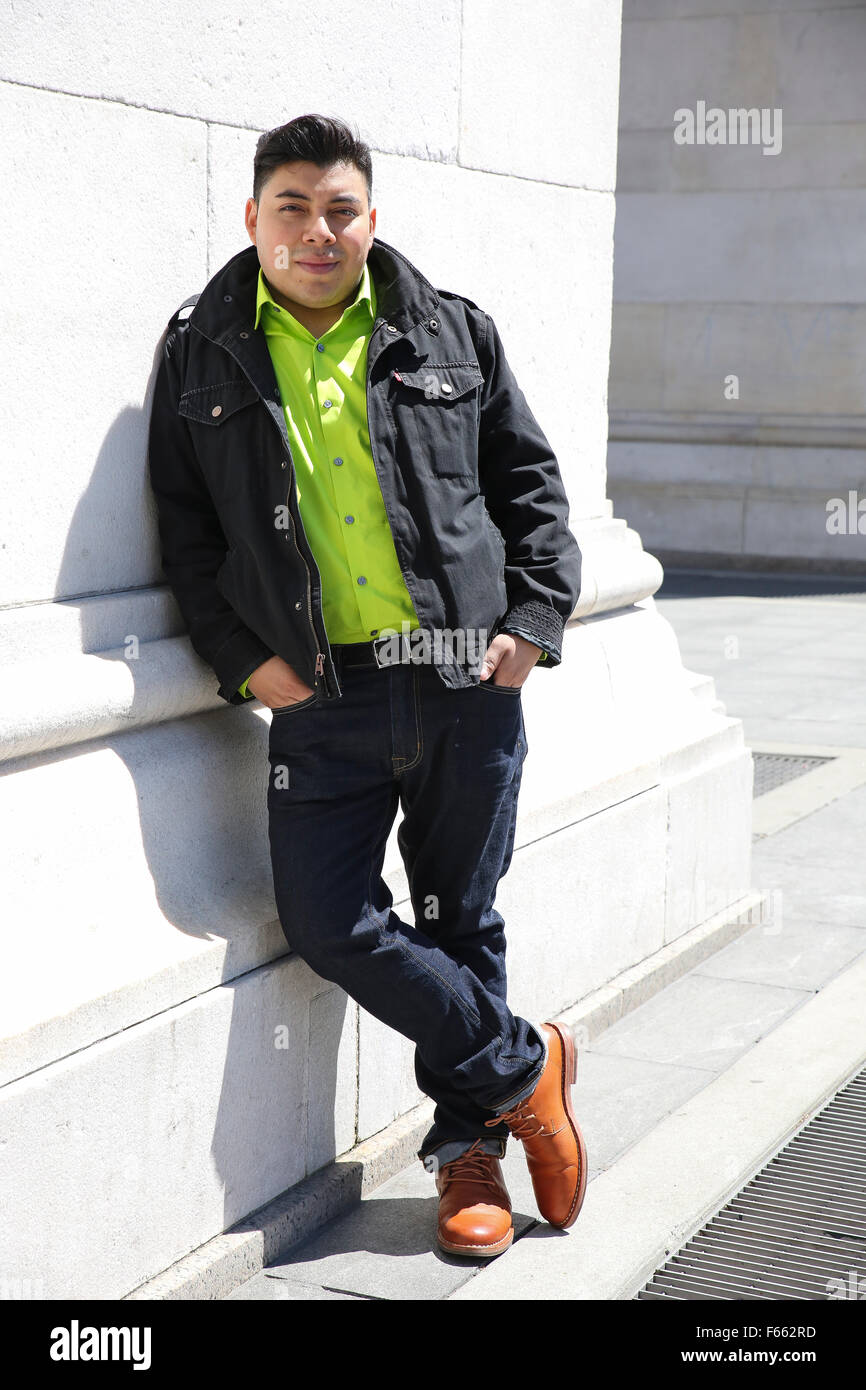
474,1205
544,1121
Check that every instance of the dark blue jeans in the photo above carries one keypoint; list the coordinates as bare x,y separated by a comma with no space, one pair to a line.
452,759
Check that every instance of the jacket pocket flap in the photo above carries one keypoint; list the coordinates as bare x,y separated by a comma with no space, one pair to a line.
211,405
444,381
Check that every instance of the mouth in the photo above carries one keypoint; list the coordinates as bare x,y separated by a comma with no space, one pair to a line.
319,267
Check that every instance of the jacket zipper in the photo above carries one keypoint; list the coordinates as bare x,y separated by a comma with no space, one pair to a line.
320,656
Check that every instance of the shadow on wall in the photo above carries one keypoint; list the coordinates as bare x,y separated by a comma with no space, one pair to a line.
200,785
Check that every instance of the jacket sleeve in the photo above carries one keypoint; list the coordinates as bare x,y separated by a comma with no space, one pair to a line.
192,542
525,496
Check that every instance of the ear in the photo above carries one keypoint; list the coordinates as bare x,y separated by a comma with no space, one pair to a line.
251,213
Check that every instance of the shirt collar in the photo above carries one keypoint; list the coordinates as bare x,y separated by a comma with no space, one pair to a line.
364,301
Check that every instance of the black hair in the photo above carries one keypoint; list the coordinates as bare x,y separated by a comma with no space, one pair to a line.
322,140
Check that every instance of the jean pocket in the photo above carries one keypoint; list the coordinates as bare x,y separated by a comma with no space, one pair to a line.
504,689
298,704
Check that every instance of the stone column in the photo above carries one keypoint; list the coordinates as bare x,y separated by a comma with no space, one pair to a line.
737,422
168,1067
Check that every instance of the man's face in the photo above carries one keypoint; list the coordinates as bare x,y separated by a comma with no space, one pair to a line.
312,229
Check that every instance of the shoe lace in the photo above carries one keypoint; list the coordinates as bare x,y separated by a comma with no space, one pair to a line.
521,1120
474,1165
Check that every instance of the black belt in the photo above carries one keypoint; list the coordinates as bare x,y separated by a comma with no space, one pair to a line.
385,651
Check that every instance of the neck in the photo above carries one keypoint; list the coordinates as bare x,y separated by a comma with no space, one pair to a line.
316,321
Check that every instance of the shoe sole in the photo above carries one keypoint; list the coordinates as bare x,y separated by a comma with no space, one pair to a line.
569,1077
477,1252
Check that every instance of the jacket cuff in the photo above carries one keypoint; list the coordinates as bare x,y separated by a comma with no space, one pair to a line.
538,623
236,661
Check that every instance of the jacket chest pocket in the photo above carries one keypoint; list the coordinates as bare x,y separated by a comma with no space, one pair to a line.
223,431
437,412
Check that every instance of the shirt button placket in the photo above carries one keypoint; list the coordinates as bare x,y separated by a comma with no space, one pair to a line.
339,483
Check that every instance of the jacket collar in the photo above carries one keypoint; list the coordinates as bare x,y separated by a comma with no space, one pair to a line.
226,308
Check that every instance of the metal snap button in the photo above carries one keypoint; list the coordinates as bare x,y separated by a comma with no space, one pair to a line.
244,335
392,328
217,410
227,299
446,388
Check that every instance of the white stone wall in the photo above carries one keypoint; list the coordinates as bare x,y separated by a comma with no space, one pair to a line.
144,1106
730,261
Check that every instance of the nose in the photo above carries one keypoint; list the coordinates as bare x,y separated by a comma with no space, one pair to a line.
318,231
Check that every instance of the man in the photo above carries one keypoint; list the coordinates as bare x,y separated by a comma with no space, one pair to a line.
366,529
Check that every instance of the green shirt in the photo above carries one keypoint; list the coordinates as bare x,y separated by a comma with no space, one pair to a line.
323,388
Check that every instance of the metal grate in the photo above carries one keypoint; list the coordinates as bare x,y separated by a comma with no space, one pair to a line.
772,769
797,1230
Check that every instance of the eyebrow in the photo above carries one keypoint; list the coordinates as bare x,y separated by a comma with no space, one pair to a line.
337,198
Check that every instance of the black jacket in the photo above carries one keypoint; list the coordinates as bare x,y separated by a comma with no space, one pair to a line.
471,487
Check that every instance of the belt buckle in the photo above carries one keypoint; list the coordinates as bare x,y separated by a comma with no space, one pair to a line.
379,651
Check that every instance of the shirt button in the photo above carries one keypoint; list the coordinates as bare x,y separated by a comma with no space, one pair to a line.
320,347
373,631
349,520
362,579
326,404
338,462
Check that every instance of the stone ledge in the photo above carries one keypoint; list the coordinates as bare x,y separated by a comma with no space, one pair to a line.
70,696
216,1268
703,427
752,561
